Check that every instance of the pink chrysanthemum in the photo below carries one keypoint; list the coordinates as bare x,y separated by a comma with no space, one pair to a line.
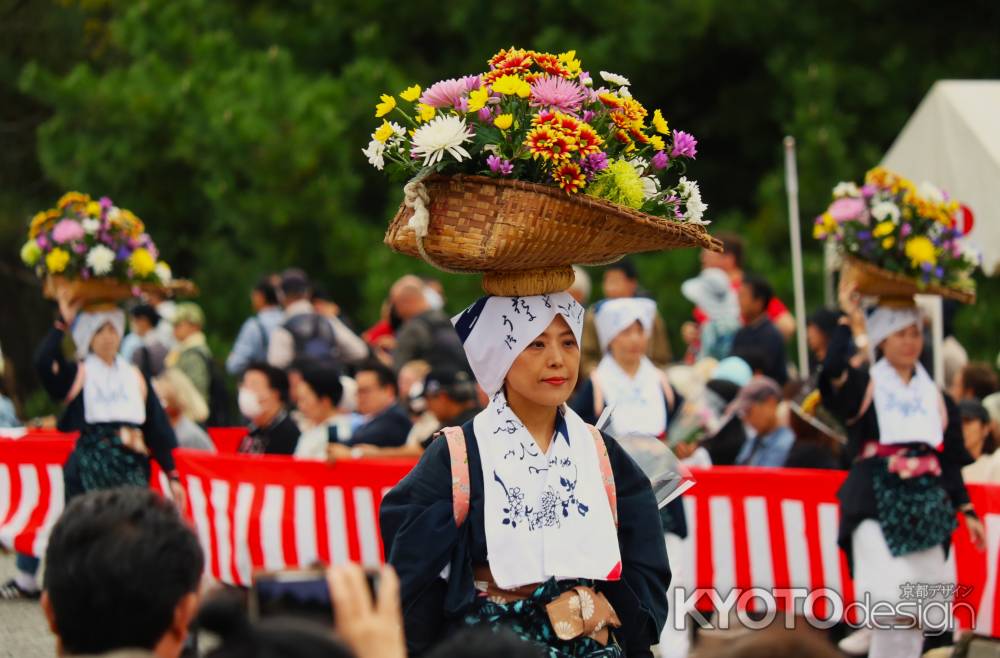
558,94
450,92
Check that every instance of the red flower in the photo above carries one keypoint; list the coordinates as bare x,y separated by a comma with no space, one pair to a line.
570,177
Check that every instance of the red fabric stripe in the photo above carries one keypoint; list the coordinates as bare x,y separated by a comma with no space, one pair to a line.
741,544
779,559
15,492
703,564
26,540
255,546
288,521
322,527
213,539
351,526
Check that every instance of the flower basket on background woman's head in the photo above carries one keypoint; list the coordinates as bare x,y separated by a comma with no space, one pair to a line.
898,240
531,167
95,252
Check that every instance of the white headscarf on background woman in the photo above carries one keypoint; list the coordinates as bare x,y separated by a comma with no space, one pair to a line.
111,393
638,401
539,508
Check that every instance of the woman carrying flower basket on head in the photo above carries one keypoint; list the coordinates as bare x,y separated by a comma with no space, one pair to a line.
91,255
899,502
549,527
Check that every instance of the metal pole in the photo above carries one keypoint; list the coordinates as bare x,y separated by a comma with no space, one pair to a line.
937,336
792,189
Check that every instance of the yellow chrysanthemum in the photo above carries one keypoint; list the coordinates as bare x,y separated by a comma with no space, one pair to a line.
883,229
888,242
132,224
478,98
660,124
920,250
387,105
504,121
826,225
30,253
410,94
57,260
512,85
656,142
572,65
383,132
71,198
425,112
94,209
142,262
620,183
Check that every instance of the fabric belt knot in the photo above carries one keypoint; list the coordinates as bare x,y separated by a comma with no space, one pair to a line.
582,612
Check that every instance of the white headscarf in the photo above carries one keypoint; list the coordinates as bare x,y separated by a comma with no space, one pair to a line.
495,330
539,508
883,321
88,323
614,316
713,293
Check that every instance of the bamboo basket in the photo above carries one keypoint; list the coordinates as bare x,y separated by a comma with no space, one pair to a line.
99,292
894,288
524,238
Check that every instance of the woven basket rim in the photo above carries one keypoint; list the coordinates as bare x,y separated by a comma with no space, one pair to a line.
930,289
696,232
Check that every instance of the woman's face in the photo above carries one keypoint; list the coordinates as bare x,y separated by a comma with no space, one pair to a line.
313,407
974,433
629,345
902,349
106,342
546,371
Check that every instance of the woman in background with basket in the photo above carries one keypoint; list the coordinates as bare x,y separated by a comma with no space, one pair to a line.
899,502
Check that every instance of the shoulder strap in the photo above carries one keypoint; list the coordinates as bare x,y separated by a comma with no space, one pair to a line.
77,386
460,487
866,402
607,474
668,391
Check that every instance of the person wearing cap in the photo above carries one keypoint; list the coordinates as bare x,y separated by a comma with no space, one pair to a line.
305,334
191,355
768,441
904,439
977,430
621,280
642,399
712,292
526,517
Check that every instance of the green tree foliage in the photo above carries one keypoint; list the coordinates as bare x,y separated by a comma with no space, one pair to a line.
234,128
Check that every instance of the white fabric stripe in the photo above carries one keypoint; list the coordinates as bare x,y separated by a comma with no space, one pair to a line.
759,542
305,526
336,525
56,502
5,500
984,618
25,507
199,511
270,527
720,513
688,553
793,516
364,518
220,505
165,486
829,515
244,502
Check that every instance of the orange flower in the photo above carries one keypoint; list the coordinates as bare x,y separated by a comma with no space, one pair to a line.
611,100
544,118
73,198
550,64
623,137
570,177
638,135
549,144
512,61
587,140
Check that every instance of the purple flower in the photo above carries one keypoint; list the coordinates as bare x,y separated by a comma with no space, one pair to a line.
905,230
80,248
43,242
868,191
106,202
927,267
451,92
587,116
558,94
685,145
67,230
939,272
123,253
594,163
585,77
660,160
864,235
499,166
485,115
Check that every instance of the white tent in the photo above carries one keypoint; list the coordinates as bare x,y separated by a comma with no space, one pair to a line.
953,141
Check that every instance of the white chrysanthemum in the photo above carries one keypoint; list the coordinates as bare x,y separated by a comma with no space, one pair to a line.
90,225
375,154
624,92
163,272
650,184
615,79
113,214
886,210
100,259
694,207
844,189
446,133
931,192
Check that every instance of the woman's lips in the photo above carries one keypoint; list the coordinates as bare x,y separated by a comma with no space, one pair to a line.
555,381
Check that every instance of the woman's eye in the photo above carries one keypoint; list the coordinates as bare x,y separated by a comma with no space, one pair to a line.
570,344
538,344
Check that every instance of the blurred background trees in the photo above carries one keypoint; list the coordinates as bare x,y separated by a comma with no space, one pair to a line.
234,128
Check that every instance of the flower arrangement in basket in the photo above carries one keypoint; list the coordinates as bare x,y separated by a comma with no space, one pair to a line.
100,251
531,166
899,239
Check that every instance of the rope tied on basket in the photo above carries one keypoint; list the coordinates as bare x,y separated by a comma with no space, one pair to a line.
416,197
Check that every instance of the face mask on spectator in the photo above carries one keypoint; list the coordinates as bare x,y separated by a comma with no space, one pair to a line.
249,403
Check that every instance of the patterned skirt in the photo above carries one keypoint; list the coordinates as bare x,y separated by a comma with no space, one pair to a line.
101,461
529,620
915,512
